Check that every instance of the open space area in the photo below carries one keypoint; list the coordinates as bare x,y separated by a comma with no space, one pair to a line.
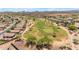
43,30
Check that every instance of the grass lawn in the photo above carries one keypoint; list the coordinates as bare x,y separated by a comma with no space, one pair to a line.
45,28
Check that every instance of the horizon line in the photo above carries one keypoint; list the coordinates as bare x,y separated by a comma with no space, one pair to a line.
35,9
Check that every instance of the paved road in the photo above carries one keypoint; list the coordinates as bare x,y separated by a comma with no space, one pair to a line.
6,45
9,27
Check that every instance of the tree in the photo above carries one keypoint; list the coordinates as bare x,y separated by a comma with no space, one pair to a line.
17,37
31,40
74,16
44,43
72,27
66,23
34,18
65,48
8,31
75,41
46,17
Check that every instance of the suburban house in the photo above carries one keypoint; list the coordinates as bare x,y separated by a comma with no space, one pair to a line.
70,20
77,25
8,35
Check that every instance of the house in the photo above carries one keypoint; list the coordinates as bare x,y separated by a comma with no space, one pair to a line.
18,28
70,20
8,35
77,25
15,31
1,29
1,36
2,25
77,20
7,39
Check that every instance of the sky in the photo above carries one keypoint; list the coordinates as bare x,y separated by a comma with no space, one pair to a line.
35,9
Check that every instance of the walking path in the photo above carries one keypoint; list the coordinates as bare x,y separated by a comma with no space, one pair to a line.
70,37
27,28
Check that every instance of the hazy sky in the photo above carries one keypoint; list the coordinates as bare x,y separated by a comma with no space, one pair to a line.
35,9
